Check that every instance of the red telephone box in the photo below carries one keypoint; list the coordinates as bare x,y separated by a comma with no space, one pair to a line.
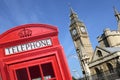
32,52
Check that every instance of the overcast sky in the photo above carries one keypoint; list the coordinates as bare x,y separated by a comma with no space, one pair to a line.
96,15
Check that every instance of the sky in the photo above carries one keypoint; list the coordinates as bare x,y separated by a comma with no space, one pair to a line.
96,15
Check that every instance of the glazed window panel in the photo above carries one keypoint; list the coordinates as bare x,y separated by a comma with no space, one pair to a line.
22,74
110,67
99,53
35,72
48,71
0,77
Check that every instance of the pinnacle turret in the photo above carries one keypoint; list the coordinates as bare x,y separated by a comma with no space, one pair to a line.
73,16
72,11
117,15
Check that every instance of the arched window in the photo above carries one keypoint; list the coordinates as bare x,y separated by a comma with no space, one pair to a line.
118,67
99,74
97,71
110,67
99,53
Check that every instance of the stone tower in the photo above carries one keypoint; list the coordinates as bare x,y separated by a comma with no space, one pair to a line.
111,38
81,41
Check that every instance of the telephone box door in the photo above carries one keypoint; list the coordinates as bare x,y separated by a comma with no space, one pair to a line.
42,69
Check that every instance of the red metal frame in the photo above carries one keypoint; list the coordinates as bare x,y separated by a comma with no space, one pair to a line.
28,45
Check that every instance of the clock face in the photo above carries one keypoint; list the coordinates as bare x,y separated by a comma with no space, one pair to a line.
74,32
83,29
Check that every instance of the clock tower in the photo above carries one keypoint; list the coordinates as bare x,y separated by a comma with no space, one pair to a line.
81,41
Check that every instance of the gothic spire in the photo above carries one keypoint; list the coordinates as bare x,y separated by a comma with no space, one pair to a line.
115,11
73,16
72,11
117,15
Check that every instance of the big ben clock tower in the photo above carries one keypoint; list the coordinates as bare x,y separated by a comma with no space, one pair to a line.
81,41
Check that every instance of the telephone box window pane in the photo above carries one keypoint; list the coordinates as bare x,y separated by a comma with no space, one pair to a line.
22,74
48,71
0,77
35,72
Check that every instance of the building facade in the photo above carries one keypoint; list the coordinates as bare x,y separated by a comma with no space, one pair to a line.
104,62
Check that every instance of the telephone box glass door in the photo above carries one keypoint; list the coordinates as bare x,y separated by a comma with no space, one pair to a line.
36,72
39,69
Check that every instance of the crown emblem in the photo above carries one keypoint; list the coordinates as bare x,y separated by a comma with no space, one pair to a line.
25,33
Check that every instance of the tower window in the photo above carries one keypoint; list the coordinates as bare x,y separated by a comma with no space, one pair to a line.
110,67
99,53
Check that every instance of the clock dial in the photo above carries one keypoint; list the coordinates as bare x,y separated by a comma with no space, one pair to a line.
83,29
74,32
